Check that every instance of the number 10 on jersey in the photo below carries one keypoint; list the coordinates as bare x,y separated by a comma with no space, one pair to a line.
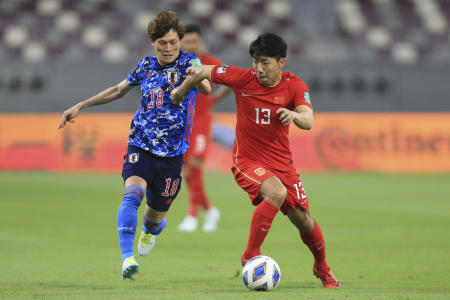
262,115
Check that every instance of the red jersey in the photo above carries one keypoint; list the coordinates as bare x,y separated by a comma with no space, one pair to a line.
204,103
260,135
201,130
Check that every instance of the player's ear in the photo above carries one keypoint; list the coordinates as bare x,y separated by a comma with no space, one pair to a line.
282,62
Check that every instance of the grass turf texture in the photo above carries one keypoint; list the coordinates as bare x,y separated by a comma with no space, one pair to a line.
387,238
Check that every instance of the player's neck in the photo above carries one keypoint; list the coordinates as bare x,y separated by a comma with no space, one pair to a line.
277,81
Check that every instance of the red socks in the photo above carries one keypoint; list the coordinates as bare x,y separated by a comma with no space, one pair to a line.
315,242
261,221
197,195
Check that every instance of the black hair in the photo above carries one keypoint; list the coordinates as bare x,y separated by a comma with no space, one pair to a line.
270,45
193,28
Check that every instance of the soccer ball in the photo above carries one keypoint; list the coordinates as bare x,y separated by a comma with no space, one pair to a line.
261,273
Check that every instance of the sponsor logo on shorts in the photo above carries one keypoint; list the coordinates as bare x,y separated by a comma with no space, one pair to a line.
133,158
260,171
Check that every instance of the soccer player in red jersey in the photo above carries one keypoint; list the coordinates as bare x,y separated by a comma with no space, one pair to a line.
194,158
268,101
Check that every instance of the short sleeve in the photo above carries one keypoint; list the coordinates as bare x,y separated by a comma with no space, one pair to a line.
301,93
133,78
233,77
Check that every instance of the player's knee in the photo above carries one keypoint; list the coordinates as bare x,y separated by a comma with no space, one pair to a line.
133,196
281,195
276,195
273,191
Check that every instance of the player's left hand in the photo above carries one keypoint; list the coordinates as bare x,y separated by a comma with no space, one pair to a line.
286,116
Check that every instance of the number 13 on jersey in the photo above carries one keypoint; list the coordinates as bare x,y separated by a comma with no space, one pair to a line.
262,115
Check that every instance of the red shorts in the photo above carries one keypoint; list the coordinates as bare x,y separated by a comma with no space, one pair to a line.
198,146
250,174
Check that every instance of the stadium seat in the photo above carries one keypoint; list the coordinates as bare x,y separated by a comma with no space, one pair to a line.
406,31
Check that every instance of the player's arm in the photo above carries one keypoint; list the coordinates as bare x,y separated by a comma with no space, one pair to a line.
108,95
204,87
302,116
221,92
196,75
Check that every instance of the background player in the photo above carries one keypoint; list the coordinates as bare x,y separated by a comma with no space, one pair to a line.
159,135
268,101
194,158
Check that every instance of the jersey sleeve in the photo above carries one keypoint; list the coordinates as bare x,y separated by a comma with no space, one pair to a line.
301,93
233,77
133,77
194,62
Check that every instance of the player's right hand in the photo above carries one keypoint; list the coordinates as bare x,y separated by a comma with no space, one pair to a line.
69,115
176,97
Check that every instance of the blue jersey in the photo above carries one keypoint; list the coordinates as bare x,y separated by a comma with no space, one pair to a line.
161,126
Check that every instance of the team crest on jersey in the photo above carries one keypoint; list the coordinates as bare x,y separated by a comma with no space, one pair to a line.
133,158
173,76
222,69
260,171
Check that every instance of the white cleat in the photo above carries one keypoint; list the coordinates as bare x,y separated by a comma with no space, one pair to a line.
129,268
212,217
189,224
146,243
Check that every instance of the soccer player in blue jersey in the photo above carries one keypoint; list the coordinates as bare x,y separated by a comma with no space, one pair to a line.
159,135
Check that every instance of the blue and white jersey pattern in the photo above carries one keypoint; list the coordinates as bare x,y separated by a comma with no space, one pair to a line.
160,126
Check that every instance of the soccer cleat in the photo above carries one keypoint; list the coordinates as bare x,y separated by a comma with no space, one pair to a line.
212,217
189,224
245,260
146,243
327,278
129,268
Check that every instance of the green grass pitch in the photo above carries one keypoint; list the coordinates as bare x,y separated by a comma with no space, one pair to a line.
387,237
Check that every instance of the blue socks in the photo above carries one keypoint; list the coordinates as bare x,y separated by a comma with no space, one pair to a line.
152,227
127,218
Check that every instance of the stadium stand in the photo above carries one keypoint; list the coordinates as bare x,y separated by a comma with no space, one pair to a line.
351,53
403,31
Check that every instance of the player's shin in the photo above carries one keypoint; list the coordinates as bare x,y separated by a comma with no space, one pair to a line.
127,219
262,219
197,191
152,227
316,243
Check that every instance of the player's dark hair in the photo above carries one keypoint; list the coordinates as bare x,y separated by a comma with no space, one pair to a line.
193,28
270,45
162,23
